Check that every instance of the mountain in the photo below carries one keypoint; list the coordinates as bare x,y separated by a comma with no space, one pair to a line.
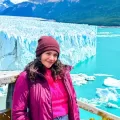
2,8
47,1
94,12
21,9
5,4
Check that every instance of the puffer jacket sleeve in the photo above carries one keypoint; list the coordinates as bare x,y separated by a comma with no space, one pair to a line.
20,98
76,108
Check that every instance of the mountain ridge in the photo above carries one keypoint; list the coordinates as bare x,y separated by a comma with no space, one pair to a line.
102,13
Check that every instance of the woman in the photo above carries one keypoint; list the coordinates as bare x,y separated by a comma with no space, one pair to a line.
44,90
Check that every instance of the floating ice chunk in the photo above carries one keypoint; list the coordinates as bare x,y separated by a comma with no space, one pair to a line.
111,105
87,77
107,94
112,82
100,74
94,101
90,78
79,79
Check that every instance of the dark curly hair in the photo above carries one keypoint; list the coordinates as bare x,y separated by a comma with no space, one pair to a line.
35,68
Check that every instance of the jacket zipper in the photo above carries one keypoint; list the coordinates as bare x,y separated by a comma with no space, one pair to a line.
49,92
50,98
71,101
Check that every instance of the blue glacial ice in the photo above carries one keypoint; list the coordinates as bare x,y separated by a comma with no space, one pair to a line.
19,35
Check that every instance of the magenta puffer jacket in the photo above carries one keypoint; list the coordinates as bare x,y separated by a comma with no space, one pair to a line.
36,96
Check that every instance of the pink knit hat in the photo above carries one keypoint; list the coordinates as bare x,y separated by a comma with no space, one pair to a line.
46,43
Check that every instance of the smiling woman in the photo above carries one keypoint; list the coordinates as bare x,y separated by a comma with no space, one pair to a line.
48,58
44,89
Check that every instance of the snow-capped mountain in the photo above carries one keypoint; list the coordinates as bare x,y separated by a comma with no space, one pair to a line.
4,4
18,1
38,1
72,11
46,1
30,8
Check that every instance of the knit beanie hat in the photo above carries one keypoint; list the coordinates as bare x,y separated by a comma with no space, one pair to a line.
46,43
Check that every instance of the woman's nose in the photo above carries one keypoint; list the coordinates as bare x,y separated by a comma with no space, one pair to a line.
52,57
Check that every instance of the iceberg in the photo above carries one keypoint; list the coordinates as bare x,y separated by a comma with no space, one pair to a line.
80,79
107,94
102,74
112,82
19,35
111,105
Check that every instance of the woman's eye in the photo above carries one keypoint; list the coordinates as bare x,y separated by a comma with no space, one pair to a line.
48,53
55,55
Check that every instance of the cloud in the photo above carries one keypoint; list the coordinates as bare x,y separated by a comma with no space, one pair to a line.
54,0
18,1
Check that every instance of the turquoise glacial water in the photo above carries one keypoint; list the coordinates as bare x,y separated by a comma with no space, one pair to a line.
106,61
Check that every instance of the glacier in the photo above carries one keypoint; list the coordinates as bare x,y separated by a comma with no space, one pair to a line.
19,35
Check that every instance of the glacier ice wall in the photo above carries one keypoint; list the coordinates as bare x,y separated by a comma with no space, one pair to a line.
19,35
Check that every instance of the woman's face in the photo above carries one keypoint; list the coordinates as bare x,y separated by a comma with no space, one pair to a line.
48,58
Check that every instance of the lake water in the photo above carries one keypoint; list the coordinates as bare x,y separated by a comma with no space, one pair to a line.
106,61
